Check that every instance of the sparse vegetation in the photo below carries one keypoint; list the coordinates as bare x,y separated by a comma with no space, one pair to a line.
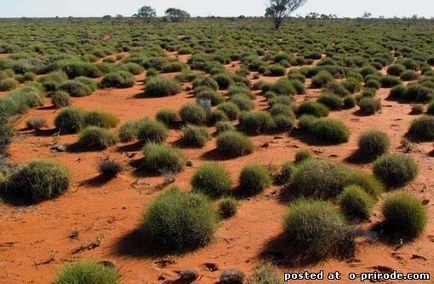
86,272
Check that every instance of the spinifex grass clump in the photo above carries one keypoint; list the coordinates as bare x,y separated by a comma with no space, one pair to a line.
373,144
194,136
87,272
94,137
330,131
234,144
61,99
256,122
355,203
315,230
162,159
228,207
101,119
395,170
193,114
313,108
178,222
37,181
404,216
254,179
212,180
70,120
161,87
422,128
118,79
151,131
167,116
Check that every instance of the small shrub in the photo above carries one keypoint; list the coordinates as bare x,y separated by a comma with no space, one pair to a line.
257,122
37,181
167,116
232,276
243,102
234,144
194,136
161,159
355,203
264,274
276,70
128,131
303,155
313,108
389,81
76,69
212,180
306,122
337,89
417,109
223,80
75,88
373,144
254,179
322,79
349,102
283,123
397,92
395,69
331,101
193,114
207,82
330,131
284,87
86,272
70,120
314,228
101,119
230,109
151,131
161,87
94,137
60,99
422,128
9,84
395,170
280,109
228,207
404,216
409,75
118,79
430,109
210,95
109,168
369,106
178,222
285,173
172,67
223,126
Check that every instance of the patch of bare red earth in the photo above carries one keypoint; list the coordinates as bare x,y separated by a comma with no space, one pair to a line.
34,241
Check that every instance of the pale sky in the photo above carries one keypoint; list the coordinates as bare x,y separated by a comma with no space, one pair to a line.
96,8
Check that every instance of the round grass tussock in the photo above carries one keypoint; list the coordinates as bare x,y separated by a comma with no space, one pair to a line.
151,131
313,108
75,88
306,122
422,128
161,87
234,144
254,179
355,203
87,272
70,120
256,122
212,179
177,222
395,170
369,106
167,116
373,144
60,99
161,159
330,131
232,276
314,228
223,126
243,102
331,101
193,114
303,155
404,216
94,137
230,109
118,79
101,119
194,136
37,181
128,131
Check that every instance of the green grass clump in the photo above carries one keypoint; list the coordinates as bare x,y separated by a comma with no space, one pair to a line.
265,273
177,222
256,122
212,180
417,109
37,181
331,101
395,170
228,207
205,82
9,84
128,131
234,144
285,173
322,79
70,120
422,128
94,137
303,155
194,136
254,179
243,102
101,119
75,88
161,87
151,131
60,99
118,79
162,159
207,94
355,203
404,216
330,131
87,272
314,228
223,80
373,144
306,122
77,69
389,81
167,116
369,106
223,126
230,109
312,108
193,114
395,69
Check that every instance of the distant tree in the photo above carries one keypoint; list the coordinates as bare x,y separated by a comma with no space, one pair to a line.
119,17
366,15
312,15
177,15
107,17
146,13
278,10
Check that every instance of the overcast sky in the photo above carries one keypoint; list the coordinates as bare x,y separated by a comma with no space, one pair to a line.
85,8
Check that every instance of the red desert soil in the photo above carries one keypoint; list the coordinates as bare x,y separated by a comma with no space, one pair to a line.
35,241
